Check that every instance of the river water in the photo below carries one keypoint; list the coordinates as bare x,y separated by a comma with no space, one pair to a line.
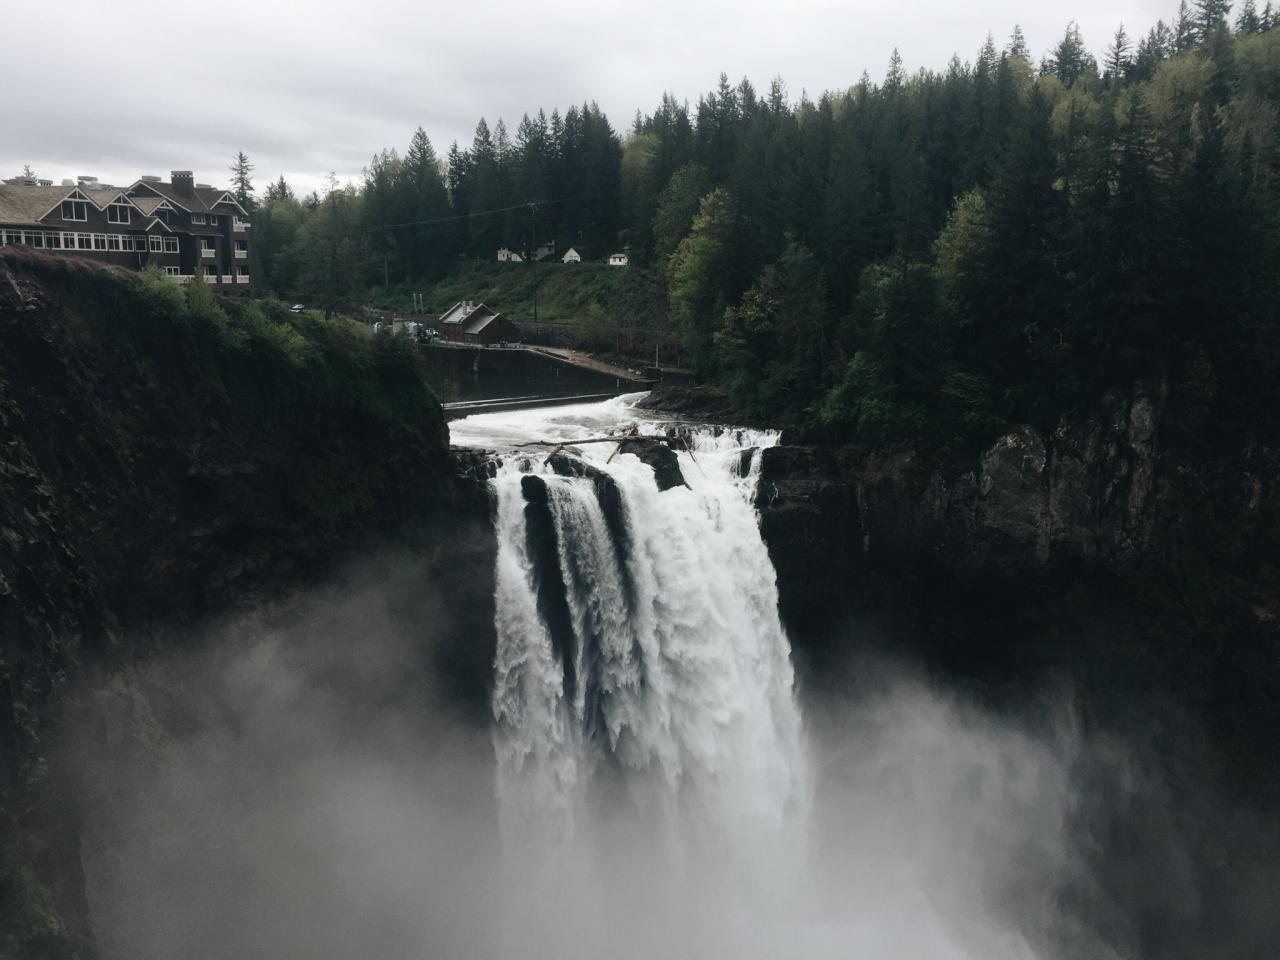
674,674
660,792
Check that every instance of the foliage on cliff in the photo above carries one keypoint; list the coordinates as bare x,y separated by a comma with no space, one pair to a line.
584,293
931,257
165,454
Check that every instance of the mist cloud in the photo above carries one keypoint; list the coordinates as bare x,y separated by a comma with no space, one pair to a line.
297,784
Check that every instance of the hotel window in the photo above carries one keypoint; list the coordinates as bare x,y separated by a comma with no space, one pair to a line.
118,213
75,210
140,244
211,273
207,243
242,271
99,241
84,241
13,237
171,271
197,218
213,219
53,241
170,244
157,244
34,238
113,241
68,241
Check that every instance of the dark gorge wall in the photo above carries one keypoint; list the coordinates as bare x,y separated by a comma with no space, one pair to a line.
165,460
1107,572
1108,551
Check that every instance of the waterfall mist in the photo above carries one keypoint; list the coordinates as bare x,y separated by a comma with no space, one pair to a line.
652,781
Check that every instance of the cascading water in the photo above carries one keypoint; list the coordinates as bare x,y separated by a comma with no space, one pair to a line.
638,635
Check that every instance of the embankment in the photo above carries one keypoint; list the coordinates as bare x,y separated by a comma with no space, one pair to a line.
165,459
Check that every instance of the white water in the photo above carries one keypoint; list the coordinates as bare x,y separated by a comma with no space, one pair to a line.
684,690
664,803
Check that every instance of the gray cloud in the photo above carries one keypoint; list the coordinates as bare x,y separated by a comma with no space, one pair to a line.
305,90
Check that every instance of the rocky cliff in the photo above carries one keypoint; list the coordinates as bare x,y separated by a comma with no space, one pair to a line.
164,458
1108,550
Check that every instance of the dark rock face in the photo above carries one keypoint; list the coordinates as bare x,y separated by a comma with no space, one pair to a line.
809,520
665,463
155,474
1035,512
693,401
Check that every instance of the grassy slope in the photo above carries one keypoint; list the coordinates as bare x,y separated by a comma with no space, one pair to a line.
588,293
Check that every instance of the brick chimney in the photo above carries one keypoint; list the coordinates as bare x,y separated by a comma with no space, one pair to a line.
184,182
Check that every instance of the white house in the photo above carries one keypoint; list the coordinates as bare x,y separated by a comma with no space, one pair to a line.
571,256
509,256
618,260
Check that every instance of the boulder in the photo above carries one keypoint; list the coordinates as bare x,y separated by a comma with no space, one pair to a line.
665,463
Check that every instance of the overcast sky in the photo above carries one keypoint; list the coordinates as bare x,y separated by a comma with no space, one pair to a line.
118,90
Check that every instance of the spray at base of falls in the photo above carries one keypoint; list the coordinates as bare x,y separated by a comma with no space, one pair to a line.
639,644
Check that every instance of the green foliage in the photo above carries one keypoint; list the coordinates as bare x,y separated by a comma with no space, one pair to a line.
701,276
567,293
996,244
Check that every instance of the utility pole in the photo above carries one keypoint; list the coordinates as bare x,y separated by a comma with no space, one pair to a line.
533,257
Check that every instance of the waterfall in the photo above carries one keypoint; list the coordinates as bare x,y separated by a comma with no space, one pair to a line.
639,644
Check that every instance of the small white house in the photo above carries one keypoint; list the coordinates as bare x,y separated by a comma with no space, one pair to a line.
571,256
509,256
618,260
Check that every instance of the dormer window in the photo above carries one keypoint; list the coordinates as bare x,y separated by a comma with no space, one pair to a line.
118,213
213,219
75,210
197,218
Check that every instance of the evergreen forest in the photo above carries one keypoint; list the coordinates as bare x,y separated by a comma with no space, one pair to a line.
928,256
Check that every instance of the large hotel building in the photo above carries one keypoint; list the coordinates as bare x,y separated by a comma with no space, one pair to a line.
183,227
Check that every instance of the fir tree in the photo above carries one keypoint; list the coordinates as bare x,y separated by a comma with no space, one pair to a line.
1210,14
1184,29
1070,59
1018,44
280,190
1248,21
1118,61
241,184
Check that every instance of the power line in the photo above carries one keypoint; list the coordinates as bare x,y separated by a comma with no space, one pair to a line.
486,213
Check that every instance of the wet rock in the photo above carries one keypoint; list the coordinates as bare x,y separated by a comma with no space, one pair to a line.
534,489
665,463
690,400
809,520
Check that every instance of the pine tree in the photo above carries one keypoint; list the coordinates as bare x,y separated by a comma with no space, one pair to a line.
896,76
1210,14
1018,44
1184,29
241,184
280,190
1070,59
1248,21
424,200
1267,19
1118,61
